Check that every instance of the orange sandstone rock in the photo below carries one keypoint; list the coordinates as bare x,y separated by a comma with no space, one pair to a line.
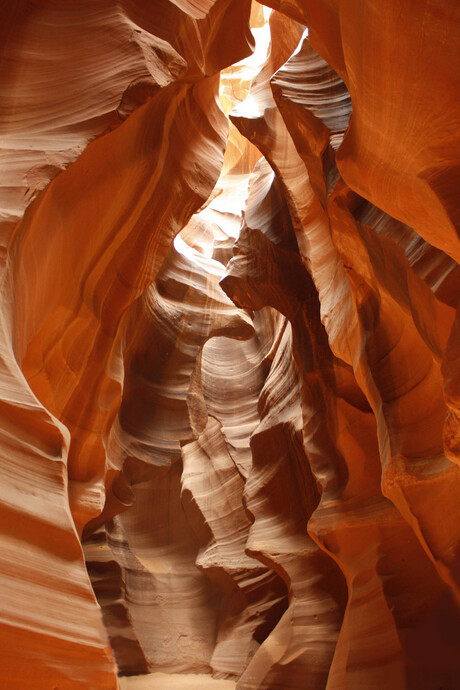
229,352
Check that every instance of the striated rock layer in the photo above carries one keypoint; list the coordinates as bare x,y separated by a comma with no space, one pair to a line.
83,253
229,379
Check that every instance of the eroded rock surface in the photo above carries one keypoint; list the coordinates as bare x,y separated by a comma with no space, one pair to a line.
229,371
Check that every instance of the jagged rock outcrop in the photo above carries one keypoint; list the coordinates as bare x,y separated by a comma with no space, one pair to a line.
230,347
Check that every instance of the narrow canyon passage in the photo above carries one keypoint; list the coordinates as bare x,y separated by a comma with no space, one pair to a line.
229,372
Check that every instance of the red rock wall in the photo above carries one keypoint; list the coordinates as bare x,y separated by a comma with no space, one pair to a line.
229,405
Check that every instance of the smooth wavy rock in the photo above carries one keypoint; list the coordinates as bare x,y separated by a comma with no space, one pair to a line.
111,58
399,151
171,603
233,400
403,291
50,627
391,313
108,582
252,595
382,235
229,338
159,412
86,248
296,654
344,518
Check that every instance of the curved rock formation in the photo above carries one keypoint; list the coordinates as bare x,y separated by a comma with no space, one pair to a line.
230,332
84,251
400,149
387,315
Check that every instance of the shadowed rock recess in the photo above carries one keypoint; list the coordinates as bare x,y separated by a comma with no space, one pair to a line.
230,345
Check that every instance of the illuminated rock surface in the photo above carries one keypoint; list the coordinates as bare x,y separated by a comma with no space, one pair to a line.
230,360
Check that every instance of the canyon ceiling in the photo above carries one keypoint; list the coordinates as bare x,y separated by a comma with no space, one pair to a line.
230,343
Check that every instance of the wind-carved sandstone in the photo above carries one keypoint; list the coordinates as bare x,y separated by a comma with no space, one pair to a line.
229,373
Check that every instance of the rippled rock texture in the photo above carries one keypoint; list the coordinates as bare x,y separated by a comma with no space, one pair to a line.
229,376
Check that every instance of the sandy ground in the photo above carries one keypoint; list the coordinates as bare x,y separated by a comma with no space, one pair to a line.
177,681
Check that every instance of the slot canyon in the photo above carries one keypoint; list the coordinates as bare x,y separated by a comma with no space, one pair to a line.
230,345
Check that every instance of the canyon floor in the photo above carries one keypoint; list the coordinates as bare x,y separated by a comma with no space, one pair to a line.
164,681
